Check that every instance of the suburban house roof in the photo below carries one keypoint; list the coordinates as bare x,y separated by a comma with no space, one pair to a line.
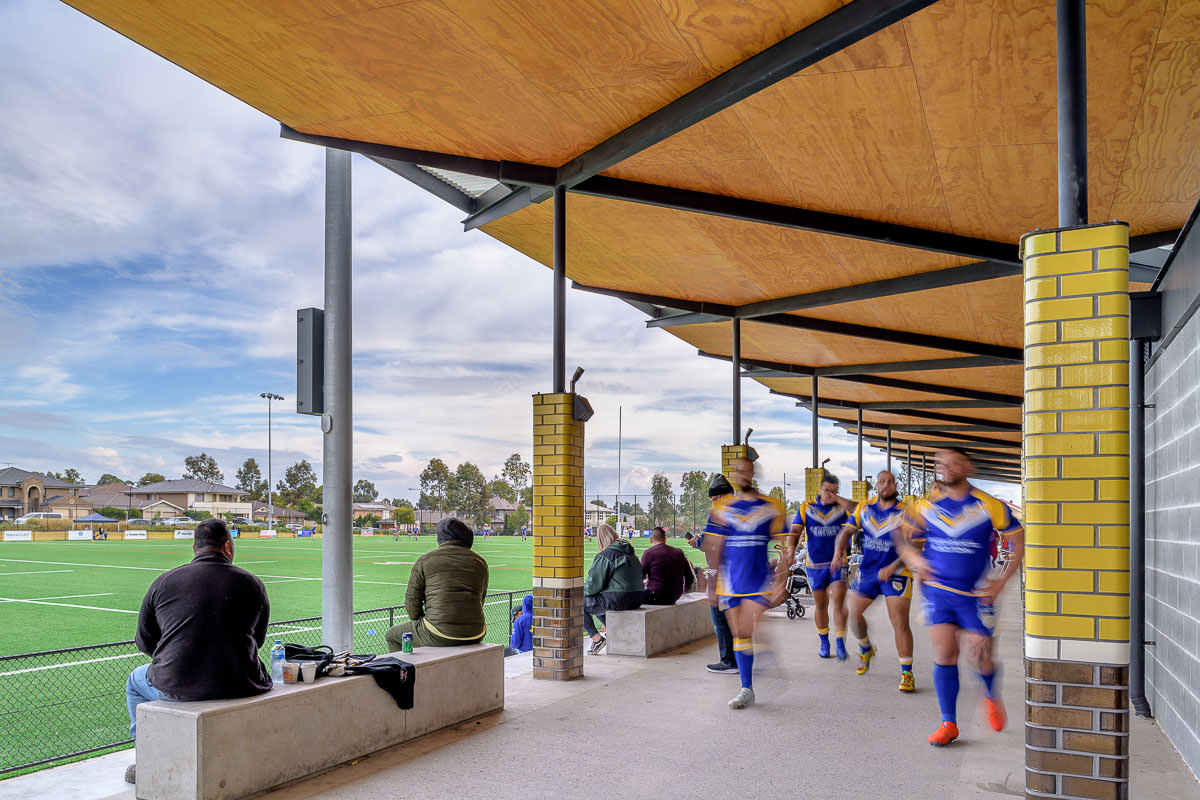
185,485
12,476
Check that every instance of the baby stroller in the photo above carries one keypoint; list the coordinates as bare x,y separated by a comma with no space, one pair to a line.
797,585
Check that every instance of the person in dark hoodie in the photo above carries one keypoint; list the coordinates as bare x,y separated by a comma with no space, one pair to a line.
444,599
614,583
522,632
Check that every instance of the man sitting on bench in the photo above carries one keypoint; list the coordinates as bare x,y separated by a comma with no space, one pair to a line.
667,571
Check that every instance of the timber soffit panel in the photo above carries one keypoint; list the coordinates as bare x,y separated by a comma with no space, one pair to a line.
940,122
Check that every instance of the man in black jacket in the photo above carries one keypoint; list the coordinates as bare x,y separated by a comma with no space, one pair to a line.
202,624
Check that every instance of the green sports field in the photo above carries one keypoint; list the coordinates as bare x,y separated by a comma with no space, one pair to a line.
60,595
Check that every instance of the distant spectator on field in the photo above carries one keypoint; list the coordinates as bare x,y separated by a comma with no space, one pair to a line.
444,599
614,583
522,635
202,625
667,571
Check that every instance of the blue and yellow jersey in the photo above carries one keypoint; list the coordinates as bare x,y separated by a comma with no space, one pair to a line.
821,523
877,524
958,535
745,526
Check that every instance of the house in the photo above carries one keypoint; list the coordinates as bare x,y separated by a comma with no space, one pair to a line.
279,514
427,519
169,498
24,492
381,510
594,514
498,511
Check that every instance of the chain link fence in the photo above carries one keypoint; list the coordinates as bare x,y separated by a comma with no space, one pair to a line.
61,704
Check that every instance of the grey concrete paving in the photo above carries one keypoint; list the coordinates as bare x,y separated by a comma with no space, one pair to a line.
636,728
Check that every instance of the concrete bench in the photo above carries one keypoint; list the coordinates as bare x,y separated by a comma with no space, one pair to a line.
233,748
650,630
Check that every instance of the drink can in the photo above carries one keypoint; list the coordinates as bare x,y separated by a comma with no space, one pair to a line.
406,643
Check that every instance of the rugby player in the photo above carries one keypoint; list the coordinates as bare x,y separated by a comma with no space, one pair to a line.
818,523
881,572
955,526
737,540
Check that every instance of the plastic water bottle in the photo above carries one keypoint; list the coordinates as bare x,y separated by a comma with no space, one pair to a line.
277,662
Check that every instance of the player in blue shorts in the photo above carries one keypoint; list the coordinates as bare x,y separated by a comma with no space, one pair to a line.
818,523
737,539
881,572
955,524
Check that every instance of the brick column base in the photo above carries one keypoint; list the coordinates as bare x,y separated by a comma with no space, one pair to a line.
1076,730
558,633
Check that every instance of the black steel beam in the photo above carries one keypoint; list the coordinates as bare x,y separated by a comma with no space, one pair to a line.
949,431
968,362
719,309
685,318
438,188
970,426
518,198
830,34
932,415
906,405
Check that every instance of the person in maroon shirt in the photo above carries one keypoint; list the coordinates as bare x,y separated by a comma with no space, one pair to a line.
667,571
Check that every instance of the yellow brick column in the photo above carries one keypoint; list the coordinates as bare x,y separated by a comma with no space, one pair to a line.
861,491
557,538
729,454
813,476
1076,470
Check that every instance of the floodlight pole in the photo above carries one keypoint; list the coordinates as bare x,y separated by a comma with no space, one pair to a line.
268,396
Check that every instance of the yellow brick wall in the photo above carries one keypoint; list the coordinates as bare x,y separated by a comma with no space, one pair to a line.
812,481
861,488
557,489
1076,441
729,454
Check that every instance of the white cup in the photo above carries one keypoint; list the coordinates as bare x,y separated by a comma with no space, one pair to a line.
308,671
291,671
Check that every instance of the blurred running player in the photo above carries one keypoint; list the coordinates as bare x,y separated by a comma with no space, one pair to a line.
737,539
955,526
881,572
817,524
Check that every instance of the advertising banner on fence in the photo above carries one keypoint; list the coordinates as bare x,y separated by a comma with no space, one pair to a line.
18,536
267,535
135,535
184,534
307,532
79,536
367,532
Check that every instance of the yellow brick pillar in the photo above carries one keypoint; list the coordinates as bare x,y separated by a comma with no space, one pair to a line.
557,538
729,454
861,491
813,476
1076,470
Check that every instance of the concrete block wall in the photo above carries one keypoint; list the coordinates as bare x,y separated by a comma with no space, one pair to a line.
1173,540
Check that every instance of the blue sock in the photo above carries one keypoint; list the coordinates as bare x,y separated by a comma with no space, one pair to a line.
743,653
988,680
945,681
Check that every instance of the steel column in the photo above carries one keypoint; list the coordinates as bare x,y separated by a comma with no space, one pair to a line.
1072,114
737,381
889,449
816,408
860,473
922,473
560,289
337,565
1137,529
908,469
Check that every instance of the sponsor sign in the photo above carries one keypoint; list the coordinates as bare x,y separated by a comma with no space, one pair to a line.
135,535
184,534
267,534
18,536
307,532
79,536
367,532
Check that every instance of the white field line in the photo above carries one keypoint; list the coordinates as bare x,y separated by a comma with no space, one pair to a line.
60,597
77,564
244,563
69,664
66,605
35,572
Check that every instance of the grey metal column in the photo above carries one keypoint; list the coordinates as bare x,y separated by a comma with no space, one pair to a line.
816,407
337,423
1072,114
860,443
737,381
1137,529
908,470
889,448
560,289
923,473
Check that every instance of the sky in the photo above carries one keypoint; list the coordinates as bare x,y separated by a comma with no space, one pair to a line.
157,237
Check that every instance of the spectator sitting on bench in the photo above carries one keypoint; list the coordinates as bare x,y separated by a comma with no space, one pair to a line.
522,634
667,571
444,599
202,625
614,582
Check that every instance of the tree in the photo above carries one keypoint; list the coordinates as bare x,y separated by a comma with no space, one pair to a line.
111,512
364,491
149,478
498,487
921,482
251,481
299,482
694,502
516,519
401,502
202,468
404,515
108,478
435,481
516,472
660,499
776,493
468,492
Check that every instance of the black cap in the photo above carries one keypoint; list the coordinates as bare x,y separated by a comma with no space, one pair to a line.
719,485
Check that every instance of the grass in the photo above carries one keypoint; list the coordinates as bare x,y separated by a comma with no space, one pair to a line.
57,595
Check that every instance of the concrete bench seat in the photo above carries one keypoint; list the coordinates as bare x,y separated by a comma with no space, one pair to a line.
650,630
233,748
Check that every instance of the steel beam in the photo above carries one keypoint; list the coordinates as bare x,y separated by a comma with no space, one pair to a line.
438,188
520,197
965,362
559,332
1072,114
685,318
967,427
904,405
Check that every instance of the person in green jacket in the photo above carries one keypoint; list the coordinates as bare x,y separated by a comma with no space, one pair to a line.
444,599
614,583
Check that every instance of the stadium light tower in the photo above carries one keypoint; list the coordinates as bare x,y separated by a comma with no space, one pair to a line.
268,396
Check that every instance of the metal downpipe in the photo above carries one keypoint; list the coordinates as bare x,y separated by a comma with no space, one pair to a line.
1137,530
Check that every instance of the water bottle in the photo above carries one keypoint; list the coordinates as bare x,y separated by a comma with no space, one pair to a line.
277,662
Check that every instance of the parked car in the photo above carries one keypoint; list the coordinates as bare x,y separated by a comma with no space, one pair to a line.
185,521
240,521
296,526
139,523
37,516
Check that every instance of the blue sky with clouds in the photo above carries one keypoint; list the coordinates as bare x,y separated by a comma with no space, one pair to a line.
157,237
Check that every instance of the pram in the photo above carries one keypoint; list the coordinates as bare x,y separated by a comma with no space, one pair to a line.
797,586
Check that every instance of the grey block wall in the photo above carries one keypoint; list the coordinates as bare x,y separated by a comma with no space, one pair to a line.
1173,539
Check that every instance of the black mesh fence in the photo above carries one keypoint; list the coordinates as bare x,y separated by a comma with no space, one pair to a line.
60,704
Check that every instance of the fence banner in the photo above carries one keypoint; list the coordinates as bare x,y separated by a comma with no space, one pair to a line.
367,532
135,535
18,536
184,534
267,534
79,536
307,532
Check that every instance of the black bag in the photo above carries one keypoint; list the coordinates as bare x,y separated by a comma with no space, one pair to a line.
322,654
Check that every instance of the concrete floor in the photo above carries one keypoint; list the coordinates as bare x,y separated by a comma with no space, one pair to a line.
635,728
